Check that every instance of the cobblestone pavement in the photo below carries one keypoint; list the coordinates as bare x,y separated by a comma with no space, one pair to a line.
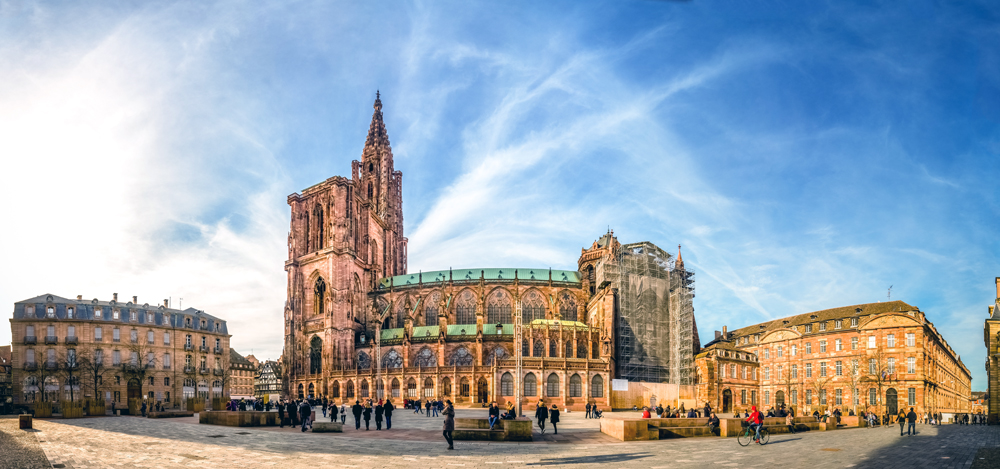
19,448
137,442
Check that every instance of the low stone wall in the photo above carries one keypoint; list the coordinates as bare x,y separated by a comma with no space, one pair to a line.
327,427
655,429
238,419
169,414
518,429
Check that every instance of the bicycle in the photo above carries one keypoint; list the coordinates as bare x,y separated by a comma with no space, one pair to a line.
747,435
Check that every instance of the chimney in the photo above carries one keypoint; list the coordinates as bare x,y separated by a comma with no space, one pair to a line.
166,303
114,297
79,297
725,335
135,300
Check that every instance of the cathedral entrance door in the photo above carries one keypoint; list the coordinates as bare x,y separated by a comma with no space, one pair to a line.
482,391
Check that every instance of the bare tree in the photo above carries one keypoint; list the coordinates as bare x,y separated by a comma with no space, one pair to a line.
819,385
877,374
69,367
854,377
140,364
93,370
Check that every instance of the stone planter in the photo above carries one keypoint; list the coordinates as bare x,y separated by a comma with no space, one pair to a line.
24,422
195,405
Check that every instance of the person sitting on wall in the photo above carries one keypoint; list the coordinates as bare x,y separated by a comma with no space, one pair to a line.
713,424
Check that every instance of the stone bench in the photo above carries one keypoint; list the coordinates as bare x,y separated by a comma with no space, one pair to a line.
327,427
166,414
238,418
505,430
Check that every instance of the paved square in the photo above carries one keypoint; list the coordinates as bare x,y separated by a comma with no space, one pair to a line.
137,442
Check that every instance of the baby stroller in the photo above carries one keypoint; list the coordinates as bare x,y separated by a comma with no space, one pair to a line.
597,413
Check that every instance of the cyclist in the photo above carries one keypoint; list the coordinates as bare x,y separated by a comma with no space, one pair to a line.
756,420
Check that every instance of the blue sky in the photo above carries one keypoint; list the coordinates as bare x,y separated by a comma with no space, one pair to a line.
807,155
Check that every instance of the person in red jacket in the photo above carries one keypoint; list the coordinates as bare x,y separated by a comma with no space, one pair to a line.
756,420
645,412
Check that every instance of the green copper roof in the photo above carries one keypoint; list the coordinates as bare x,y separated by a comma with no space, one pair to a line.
494,274
456,329
426,331
389,334
556,322
491,329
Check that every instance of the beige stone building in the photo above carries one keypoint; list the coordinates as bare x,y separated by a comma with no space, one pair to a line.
876,357
72,349
991,337
241,375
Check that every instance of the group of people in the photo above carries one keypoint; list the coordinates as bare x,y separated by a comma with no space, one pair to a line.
295,412
495,415
428,406
543,413
248,404
676,413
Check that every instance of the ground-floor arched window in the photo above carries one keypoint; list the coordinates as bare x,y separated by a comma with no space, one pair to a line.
335,390
530,385
552,386
597,386
575,386
507,385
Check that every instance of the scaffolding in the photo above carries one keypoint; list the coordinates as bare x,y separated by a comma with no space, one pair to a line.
655,337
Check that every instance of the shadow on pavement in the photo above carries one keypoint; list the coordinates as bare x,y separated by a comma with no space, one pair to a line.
610,458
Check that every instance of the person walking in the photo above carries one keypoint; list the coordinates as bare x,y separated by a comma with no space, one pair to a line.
343,413
911,419
901,418
143,408
541,415
387,410
281,414
356,409
293,411
325,403
333,412
427,408
554,418
434,407
449,423
416,407
587,416
790,421
367,414
379,413
305,410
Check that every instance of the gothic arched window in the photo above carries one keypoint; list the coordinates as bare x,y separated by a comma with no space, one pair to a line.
319,297
318,216
426,358
498,353
465,308
569,349
507,385
597,386
575,386
315,355
364,361
431,309
525,351
532,307
553,349
460,357
392,359
530,385
400,315
567,306
498,307
539,349
581,349
552,386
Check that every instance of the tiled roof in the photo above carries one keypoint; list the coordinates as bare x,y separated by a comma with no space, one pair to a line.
237,359
824,315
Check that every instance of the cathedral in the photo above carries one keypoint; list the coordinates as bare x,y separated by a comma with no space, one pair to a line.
359,325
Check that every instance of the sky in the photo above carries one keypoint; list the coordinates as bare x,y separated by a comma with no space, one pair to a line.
807,155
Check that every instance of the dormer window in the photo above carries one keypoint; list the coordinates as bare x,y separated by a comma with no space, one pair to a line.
838,324
809,328
187,322
133,316
149,318
854,322
69,313
50,312
98,314
822,326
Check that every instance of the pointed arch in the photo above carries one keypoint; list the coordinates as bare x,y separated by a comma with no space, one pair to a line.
426,358
539,349
465,307
507,384
552,385
335,389
498,353
530,385
498,306
446,386
597,386
567,306
532,306
431,303
349,389
461,357
575,386
364,361
392,359
315,355
399,315
394,387
365,392
319,296
318,217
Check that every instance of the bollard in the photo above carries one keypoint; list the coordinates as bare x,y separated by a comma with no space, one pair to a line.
24,422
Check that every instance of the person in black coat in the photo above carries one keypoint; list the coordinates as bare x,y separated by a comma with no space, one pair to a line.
541,415
305,411
333,411
554,418
387,410
293,413
281,414
367,414
379,413
356,409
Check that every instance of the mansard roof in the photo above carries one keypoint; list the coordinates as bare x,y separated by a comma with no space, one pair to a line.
84,310
474,275
824,315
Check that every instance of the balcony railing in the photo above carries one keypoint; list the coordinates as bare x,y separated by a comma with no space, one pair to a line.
72,340
51,366
188,347
203,348
203,371
51,340
116,339
30,340
166,367
30,366
217,371
189,369
217,350
98,339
